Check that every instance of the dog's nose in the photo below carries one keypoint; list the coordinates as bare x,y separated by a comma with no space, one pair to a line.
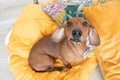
76,33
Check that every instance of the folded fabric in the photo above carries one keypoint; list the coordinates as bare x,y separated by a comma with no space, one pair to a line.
106,19
32,25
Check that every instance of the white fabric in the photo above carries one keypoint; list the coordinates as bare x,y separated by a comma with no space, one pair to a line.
90,48
7,37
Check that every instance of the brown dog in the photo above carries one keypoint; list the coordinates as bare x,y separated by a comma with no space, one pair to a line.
67,43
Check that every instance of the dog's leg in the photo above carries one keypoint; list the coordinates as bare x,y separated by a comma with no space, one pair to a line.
52,69
41,62
67,65
44,63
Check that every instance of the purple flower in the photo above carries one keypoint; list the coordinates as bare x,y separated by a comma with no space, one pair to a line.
56,8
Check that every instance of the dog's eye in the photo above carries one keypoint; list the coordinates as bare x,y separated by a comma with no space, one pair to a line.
85,24
69,24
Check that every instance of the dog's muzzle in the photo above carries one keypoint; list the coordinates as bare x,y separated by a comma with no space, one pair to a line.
76,35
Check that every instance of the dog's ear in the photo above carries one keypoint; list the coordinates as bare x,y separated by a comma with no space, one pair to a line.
93,36
58,35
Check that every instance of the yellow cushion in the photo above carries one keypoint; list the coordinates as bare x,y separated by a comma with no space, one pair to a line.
22,71
106,18
31,26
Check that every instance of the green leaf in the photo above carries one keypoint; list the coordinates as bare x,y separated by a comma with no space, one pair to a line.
70,12
79,9
68,17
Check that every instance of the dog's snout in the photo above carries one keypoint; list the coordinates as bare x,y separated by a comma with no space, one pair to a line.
76,33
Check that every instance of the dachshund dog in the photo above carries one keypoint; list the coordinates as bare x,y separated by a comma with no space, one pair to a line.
67,43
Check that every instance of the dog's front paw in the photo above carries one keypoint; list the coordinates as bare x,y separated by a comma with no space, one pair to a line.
69,66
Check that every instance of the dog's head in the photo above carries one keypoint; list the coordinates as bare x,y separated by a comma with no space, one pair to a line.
77,30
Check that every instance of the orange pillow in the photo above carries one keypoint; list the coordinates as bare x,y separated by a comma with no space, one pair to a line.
106,19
